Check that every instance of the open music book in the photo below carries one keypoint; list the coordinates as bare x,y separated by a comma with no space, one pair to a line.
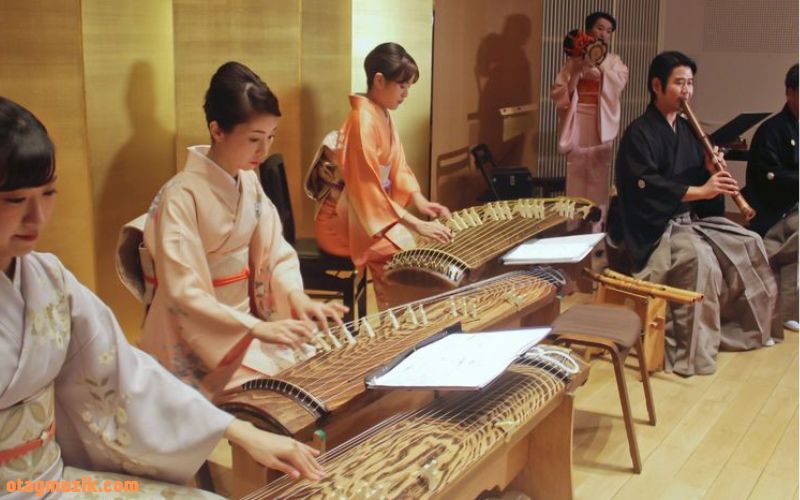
456,361
563,249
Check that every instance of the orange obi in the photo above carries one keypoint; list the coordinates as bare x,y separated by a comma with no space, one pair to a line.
227,280
588,91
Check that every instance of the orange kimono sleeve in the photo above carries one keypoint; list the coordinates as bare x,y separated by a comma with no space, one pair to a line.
375,210
404,182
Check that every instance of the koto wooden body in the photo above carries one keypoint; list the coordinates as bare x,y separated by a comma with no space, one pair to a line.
480,235
313,392
327,391
515,432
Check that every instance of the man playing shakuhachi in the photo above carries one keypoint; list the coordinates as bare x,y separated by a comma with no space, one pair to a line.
588,101
672,219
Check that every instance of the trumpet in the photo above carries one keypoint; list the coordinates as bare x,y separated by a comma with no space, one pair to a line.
744,207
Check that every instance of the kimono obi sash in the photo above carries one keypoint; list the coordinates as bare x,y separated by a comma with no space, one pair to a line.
27,429
588,91
230,276
230,273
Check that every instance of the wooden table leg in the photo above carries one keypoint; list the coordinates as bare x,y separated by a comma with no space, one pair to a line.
548,474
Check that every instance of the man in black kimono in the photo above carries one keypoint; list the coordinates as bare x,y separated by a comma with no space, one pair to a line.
672,210
772,189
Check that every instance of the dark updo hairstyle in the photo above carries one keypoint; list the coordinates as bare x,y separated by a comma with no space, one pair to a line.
27,155
393,62
235,95
592,18
791,78
661,67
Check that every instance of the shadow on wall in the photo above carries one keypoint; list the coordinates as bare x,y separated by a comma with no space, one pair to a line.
502,74
141,166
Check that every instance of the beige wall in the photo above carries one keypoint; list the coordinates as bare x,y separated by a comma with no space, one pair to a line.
486,57
41,68
408,23
741,63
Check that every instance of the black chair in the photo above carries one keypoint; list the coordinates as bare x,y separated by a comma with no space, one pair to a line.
508,183
322,272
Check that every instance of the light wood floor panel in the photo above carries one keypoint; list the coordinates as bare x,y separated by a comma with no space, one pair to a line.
729,435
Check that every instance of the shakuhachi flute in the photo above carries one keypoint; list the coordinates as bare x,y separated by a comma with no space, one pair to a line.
744,207
630,284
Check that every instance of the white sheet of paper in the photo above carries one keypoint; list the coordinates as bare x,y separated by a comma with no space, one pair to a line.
563,249
461,360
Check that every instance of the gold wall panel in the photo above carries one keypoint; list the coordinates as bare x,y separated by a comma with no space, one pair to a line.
262,34
324,87
408,23
41,68
130,106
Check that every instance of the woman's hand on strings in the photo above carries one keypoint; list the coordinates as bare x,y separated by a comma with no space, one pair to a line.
276,452
429,208
311,310
286,332
431,229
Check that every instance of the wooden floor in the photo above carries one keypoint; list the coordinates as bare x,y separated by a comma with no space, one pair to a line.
730,435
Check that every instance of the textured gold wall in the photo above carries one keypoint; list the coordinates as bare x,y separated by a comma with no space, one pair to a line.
324,85
130,107
41,68
120,86
408,23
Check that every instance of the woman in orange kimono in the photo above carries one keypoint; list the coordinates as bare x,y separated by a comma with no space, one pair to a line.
226,282
378,183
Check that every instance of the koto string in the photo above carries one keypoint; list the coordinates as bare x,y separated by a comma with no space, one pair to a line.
456,410
392,344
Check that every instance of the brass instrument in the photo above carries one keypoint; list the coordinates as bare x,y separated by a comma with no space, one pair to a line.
456,446
744,207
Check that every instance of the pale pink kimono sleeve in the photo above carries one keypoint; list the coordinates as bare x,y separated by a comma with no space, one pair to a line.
614,78
566,100
117,409
375,210
211,328
276,262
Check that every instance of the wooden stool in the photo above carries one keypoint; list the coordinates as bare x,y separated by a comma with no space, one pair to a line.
614,329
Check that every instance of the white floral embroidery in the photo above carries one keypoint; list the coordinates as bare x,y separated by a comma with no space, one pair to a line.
107,416
107,357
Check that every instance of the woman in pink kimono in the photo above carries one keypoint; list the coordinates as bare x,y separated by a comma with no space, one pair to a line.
75,397
227,284
588,102
378,183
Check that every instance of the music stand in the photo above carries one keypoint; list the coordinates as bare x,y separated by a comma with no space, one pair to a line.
729,134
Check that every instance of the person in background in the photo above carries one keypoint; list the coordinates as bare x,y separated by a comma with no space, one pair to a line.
378,182
772,189
587,97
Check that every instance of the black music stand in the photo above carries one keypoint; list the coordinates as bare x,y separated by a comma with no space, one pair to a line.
729,134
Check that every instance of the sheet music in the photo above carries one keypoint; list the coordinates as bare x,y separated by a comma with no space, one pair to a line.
563,249
461,360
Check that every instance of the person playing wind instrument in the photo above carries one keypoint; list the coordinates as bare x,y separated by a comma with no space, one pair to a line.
672,217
